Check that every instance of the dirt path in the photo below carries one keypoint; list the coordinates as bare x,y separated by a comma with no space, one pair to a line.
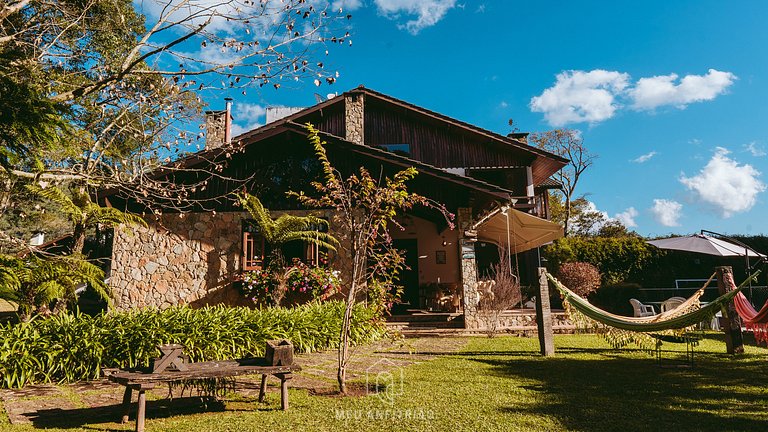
100,400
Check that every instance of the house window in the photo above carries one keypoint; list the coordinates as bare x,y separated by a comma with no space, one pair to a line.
308,253
253,248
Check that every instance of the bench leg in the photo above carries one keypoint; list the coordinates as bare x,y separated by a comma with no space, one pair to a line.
263,388
141,411
126,404
284,390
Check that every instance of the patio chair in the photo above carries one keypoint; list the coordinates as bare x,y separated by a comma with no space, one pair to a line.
671,303
642,310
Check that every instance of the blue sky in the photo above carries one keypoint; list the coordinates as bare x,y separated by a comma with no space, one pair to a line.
604,68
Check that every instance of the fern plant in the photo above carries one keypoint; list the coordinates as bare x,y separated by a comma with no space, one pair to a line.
277,232
34,282
286,228
83,213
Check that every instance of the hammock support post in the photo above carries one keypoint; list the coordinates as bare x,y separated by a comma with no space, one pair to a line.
544,316
731,322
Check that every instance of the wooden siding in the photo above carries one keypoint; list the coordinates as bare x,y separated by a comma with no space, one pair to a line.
331,119
436,143
286,162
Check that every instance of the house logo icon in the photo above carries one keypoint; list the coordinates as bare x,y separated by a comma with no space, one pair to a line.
385,379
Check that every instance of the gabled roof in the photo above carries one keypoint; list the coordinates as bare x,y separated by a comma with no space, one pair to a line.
552,161
549,162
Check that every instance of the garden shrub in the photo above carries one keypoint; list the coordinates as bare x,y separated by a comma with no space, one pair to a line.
618,259
69,348
294,285
580,277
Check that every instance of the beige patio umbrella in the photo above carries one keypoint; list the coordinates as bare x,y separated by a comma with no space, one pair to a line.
516,230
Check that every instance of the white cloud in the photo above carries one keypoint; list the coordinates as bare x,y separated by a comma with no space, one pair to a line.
503,104
427,12
346,5
756,149
627,217
667,212
596,95
653,92
644,158
580,96
723,183
247,117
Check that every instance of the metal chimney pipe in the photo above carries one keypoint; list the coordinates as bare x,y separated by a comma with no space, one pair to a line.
228,122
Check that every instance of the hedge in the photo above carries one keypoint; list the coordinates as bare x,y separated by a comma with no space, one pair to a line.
69,348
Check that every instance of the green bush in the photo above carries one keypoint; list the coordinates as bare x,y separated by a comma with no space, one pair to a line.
618,259
69,348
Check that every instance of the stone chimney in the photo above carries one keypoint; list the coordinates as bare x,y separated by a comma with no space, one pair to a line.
218,125
354,108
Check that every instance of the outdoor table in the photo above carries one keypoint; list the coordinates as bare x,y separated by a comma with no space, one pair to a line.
142,381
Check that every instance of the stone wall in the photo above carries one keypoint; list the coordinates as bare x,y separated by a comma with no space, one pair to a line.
184,259
521,320
355,111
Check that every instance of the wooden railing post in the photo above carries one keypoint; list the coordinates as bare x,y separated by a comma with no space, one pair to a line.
544,316
731,322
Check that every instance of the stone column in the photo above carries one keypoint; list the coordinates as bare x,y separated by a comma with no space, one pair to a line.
544,316
731,322
354,106
467,240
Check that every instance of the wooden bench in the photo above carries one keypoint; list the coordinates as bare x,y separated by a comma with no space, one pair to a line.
142,381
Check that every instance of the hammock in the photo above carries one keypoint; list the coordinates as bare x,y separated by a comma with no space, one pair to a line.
661,323
754,320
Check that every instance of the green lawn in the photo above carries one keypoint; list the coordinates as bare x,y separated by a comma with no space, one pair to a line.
502,384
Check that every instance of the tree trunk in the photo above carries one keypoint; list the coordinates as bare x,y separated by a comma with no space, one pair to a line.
567,215
346,323
78,239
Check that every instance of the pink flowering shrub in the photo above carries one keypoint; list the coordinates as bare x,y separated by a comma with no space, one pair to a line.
294,285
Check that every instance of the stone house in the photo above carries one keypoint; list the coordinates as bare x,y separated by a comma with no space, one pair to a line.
496,185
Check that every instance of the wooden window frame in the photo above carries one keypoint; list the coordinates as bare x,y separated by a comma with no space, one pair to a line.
253,250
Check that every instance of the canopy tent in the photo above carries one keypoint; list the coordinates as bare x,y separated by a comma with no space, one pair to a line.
516,230
705,244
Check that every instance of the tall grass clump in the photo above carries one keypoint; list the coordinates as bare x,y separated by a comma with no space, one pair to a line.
69,348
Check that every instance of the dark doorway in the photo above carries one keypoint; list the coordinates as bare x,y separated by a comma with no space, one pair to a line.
409,277
486,256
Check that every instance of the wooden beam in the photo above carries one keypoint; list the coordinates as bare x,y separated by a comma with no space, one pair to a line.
731,322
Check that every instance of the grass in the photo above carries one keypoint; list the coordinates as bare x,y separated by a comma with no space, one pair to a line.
502,384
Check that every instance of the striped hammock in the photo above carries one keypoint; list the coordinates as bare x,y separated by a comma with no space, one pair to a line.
667,321
754,320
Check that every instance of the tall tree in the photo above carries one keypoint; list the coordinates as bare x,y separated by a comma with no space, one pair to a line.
105,93
367,207
569,144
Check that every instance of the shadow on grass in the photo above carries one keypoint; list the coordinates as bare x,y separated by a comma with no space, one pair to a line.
617,392
164,408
